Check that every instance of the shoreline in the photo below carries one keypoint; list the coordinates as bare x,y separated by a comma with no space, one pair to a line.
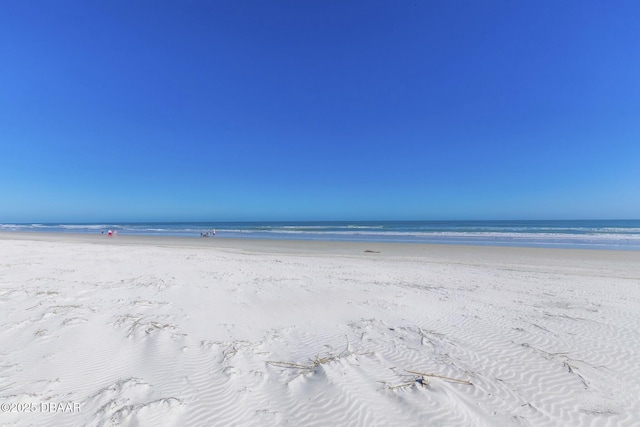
560,234
321,246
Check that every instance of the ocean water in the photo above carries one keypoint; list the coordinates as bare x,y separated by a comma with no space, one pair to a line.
600,234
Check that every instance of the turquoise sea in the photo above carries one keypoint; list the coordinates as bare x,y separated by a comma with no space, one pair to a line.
588,234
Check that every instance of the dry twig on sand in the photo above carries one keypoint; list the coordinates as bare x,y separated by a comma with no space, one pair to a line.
572,370
315,362
420,379
423,374
416,381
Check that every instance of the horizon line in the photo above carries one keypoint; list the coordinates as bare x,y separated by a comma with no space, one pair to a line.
307,221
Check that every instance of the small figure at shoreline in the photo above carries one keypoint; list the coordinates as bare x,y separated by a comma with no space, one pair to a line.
211,233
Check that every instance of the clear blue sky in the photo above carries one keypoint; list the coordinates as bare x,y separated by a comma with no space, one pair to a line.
319,110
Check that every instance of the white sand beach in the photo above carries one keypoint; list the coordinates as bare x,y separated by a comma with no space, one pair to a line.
102,331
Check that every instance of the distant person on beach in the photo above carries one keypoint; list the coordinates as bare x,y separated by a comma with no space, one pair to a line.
109,233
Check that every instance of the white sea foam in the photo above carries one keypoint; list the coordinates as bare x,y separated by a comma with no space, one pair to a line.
84,226
452,234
